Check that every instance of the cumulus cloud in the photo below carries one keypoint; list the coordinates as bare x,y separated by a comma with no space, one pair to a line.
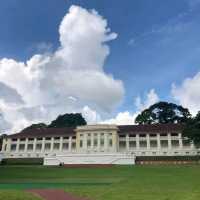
124,118
71,79
188,93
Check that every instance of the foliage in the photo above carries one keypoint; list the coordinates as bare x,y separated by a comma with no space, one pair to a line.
36,126
68,120
192,130
163,112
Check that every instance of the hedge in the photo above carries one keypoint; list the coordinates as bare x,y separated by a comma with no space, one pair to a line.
167,158
22,161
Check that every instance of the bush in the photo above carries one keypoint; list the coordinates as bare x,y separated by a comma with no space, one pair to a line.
22,161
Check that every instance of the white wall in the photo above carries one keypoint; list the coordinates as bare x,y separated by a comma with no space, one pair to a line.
118,159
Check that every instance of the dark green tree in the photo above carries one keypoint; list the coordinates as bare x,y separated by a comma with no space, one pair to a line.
68,120
163,113
36,126
192,130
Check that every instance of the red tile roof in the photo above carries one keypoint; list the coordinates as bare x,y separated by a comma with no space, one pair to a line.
123,129
150,128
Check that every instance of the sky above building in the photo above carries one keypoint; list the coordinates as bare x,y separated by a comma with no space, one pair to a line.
106,59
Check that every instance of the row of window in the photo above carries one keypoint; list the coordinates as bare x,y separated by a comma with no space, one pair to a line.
40,138
95,142
38,147
150,135
154,143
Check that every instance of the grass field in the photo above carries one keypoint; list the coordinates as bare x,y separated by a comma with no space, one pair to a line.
115,183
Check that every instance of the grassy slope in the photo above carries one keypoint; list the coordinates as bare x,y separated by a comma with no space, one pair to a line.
117,183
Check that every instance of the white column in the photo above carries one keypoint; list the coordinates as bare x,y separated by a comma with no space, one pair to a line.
92,141
106,141
158,141
3,146
17,147
52,142
137,142
61,144
180,141
98,141
43,144
127,142
169,141
34,145
85,142
26,145
148,141
70,143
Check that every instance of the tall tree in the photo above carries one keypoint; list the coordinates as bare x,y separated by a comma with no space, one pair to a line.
36,126
68,120
192,130
163,112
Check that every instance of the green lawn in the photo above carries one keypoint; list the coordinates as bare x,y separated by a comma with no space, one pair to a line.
116,183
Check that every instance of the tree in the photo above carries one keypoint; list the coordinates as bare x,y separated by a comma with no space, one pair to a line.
68,120
163,112
36,126
192,130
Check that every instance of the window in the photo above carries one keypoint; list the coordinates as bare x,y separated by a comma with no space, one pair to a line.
47,146
153,135
81,143
56,146
143,144
14,139
102,141
21,147
132,144
153,143
186,143
95,142
65,138
132,135
56,138
110,142
65,146
73,145
88,143
47,138
38,146
30,147
142,135
164,143
122,144
39,138
122,136
30,139
74,137
163,135
175,143
174,134
22,139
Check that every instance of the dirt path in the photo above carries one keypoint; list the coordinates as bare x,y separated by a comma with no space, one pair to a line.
53,194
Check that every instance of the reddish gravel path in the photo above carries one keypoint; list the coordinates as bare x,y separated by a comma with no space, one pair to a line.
50,194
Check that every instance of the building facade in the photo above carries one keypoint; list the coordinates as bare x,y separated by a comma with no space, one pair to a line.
98,144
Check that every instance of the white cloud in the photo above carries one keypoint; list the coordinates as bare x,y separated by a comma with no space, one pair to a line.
125,118
72,79
188,93
151,98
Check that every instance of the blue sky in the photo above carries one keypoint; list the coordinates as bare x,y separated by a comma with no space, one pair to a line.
158,42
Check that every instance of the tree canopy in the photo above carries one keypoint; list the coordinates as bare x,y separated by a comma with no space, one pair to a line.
192,130
68,120
163,112
36,126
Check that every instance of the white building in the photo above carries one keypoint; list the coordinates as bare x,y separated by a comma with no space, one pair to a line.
98,144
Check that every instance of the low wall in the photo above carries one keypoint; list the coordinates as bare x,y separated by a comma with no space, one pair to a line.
90,159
